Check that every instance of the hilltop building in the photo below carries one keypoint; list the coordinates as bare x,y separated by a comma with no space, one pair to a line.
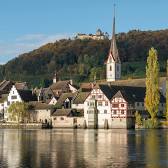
98,36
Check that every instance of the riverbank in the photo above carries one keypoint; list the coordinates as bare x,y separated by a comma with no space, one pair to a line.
20,126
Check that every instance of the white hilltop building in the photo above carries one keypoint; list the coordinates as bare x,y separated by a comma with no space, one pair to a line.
98,36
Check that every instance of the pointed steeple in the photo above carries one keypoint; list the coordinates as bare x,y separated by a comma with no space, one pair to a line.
113,48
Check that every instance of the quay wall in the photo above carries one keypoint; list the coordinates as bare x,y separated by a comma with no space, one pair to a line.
20,126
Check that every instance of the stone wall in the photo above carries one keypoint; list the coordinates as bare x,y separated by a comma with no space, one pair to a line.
20,126
67,122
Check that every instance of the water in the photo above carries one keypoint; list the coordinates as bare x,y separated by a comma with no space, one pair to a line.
83,148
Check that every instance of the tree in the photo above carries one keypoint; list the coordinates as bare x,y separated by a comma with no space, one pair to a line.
18,111
167,93
138,119
152,97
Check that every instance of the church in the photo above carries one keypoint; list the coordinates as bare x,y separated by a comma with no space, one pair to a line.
112,104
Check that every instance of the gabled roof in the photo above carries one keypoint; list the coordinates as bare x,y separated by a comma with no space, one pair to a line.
27,95
6,85
40,105
130,93
63,97
86,87
125,95
60,85
80,97
21,85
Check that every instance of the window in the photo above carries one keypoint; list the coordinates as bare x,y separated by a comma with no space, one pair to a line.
117,68
92,104
88,103
137,104
93,96
110,68
105,111
14,97
62,118
55,118
122,105
99,96
99,103
115,112
115,105
122,111
106,103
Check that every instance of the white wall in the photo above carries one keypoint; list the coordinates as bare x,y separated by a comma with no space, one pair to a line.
12,98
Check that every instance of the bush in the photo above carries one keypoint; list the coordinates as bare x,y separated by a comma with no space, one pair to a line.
138,119
151,123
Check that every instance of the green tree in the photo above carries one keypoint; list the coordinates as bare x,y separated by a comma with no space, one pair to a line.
152,97
138,119
18,111
167,93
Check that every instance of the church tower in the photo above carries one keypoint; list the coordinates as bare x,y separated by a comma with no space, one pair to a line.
55,78
113,63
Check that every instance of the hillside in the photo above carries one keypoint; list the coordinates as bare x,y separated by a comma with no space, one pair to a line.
81,60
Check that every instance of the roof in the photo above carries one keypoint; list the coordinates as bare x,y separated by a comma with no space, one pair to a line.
27,95
85,87
130,93
68,113
80,97
140,82
60,85
6,85
21,85
63,97
40,105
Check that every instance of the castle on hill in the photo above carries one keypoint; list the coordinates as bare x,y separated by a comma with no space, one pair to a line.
98,36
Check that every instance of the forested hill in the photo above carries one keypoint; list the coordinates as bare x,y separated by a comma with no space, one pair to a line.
82,59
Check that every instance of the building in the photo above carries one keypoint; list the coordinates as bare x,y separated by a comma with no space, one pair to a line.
68,118
65,101
40,112
98,36
16,95
113,63
79,99
115,106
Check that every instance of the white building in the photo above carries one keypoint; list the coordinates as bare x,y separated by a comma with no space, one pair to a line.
16,95
113,63
116,105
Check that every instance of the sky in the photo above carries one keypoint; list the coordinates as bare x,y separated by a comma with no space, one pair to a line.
28,24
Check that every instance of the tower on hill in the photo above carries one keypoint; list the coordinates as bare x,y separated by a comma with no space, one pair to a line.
113,63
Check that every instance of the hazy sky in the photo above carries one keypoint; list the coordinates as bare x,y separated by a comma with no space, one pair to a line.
28,24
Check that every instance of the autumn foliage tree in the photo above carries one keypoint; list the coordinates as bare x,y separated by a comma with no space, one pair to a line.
167,93
152,97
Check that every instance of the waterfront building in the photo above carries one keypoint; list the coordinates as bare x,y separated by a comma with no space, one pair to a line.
116,105
16,95
68,118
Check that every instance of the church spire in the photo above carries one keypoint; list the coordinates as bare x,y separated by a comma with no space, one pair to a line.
113,47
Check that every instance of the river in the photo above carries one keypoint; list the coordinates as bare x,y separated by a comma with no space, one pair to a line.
61,148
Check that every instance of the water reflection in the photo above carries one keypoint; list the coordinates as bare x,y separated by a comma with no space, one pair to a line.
83,148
